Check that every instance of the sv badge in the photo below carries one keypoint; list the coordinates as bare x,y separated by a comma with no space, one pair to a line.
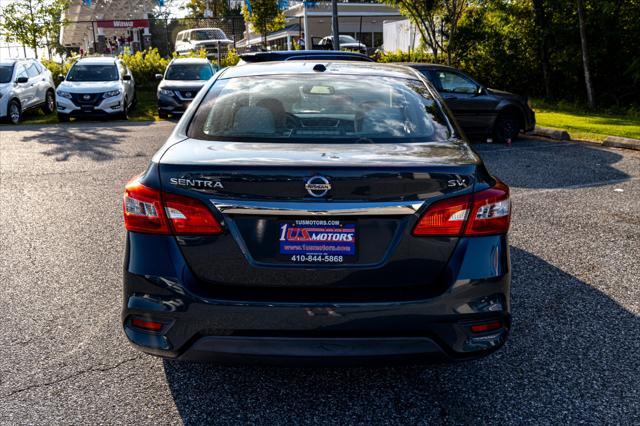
457,183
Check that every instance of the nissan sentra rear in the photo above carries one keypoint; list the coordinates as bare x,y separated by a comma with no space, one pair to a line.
317,212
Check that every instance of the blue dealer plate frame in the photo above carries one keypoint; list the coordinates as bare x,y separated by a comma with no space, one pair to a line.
317,241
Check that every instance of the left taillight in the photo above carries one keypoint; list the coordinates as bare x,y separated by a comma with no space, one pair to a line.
143,210
151,211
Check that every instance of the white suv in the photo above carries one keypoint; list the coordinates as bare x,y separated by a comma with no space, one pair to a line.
209,39
25,84
96,86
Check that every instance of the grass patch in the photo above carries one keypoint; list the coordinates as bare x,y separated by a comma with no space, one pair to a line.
585,125
145,110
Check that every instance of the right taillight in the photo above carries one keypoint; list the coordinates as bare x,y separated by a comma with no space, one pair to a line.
151,211
491,213
486,212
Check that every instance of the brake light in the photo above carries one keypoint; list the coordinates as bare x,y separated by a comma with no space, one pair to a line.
491,212
151,211
143,209
444,218
486,212
189,216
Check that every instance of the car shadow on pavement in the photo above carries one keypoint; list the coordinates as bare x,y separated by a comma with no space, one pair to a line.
83,140
539,164
573,356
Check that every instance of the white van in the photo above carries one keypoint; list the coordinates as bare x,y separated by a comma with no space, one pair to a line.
209,39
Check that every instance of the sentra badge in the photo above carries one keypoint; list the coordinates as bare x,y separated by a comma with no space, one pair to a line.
196,183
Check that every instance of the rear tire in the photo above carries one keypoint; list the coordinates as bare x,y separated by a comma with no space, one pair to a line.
163,114
49,102
63,118
506,127
14,112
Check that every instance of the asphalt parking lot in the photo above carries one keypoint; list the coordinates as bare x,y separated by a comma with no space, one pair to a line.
573,356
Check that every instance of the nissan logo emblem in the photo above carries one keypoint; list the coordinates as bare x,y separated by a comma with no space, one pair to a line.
86,97
317,186
188,94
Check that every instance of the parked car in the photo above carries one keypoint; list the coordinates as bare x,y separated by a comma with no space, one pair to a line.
182,80
25,84
346,43
302,55
316,212
101,86
481,112
209,39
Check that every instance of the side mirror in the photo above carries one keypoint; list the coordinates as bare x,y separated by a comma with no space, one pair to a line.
22,80
480,91
60,77
126,77
159,77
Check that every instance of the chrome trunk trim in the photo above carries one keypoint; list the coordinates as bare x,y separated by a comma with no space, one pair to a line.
314,208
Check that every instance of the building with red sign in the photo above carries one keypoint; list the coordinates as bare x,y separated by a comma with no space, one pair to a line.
107,26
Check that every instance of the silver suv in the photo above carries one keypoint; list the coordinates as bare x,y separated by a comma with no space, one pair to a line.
25,84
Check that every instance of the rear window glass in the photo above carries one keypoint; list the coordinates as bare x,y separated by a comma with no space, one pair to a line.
189,72
212,34
313,108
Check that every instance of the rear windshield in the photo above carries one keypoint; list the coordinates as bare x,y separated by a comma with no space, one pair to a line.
313,108
213,34
347,39
189,72
6,71
80,72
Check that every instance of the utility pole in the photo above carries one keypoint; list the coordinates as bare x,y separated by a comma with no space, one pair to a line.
334,24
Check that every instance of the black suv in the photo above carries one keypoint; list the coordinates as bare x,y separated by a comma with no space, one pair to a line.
481,112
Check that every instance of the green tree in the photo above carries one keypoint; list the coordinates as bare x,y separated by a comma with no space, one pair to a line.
265,17
437,22
197,8
34,23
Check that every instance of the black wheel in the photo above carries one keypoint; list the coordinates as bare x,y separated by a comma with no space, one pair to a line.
163,114
14,112
63,118
49,102
506,128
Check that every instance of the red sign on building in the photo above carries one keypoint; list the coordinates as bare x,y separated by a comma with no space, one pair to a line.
131,23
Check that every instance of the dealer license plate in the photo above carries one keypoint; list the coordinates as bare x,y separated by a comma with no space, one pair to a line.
318,241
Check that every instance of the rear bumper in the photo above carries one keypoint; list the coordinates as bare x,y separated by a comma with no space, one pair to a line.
246,329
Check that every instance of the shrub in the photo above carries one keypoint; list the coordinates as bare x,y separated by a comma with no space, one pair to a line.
60,68
144,65
399,56
230,59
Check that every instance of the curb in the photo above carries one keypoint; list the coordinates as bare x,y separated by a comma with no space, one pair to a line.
618,142
557,134
609,142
